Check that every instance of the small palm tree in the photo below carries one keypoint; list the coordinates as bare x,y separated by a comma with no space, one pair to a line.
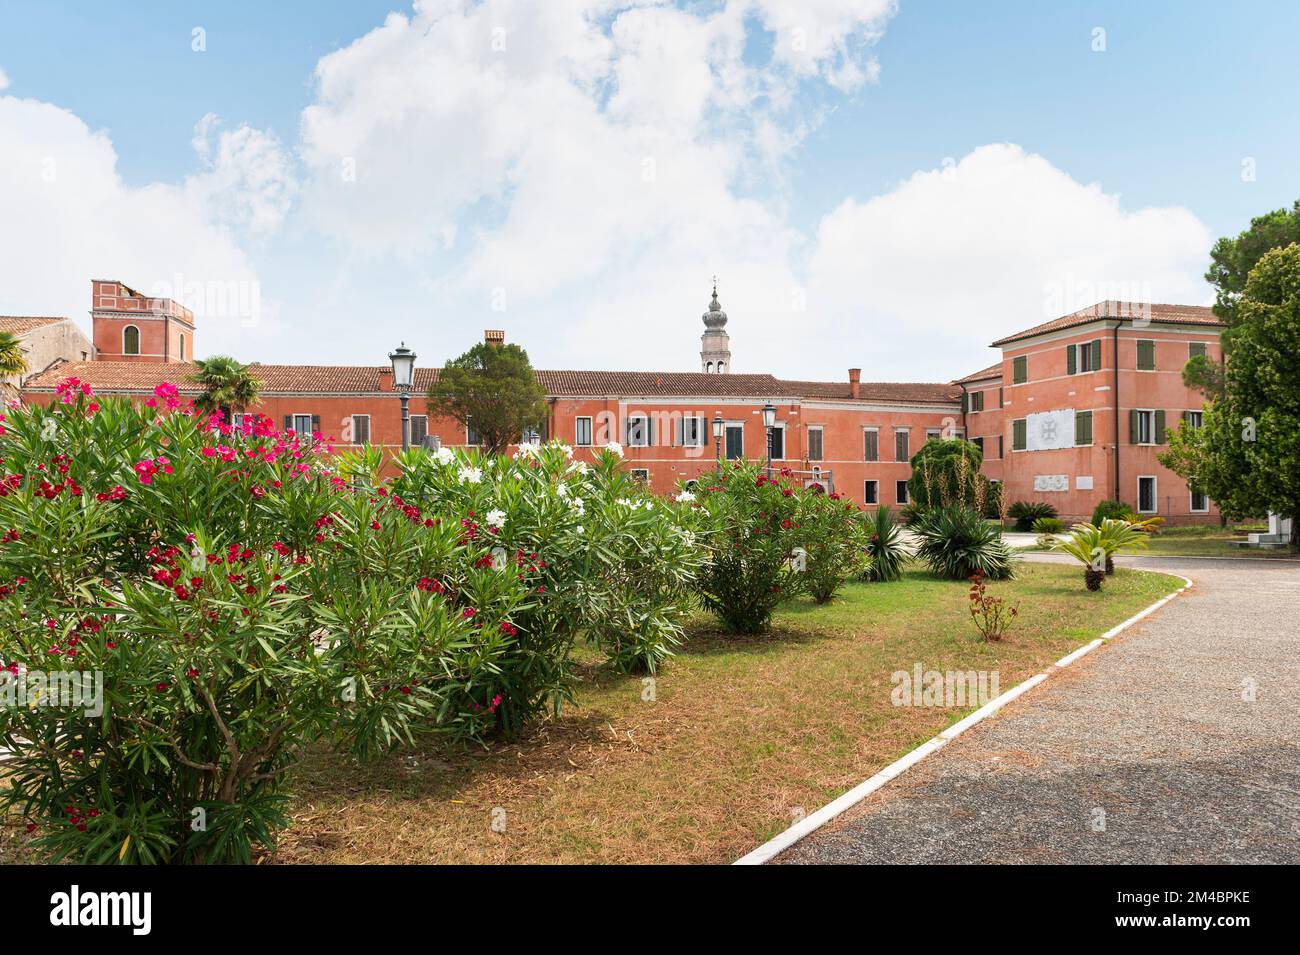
12,360
228,386
1095,547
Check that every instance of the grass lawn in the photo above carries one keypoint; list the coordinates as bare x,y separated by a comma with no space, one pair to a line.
742,736
1201,540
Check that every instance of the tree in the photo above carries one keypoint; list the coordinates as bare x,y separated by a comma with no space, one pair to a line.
1233,259
1246,456
494,389
12,360
228,386
945,471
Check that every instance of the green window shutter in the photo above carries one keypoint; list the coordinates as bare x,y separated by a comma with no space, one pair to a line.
1071,360
1160,427
1096,353
1082,428
1195,348
1019,434
1020,370
1146,355
1132,427
965,402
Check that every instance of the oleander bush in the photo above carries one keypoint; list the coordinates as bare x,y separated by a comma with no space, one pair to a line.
835,542
957,543
884,546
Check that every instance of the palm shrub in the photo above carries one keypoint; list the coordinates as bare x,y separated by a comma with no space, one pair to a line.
1087,545
1024,513
956,543
834,542
884,547
755,547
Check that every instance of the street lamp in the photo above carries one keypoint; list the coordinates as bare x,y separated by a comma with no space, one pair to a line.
403,360
718,429
769,420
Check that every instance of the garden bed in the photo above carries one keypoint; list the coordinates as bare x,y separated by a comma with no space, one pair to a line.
743,734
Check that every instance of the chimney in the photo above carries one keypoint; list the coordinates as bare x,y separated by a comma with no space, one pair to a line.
386,379
494,336
855,382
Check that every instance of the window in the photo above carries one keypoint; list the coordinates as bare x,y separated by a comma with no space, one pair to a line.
472,437
361,429
582,432
237,420
1020,370
130,340
1200,503
1195,349
1019,434
1194,419
932,433
1146,349
182,346
1082,428
815,443
778,442
1000,444
1083,357
977,401
1146,495
419,429
900,492
901,444
692,432
302,425
871,444
638,431
979,443
735,438
871,492
1146,426
641,474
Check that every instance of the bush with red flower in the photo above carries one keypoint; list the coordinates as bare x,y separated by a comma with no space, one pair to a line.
835,542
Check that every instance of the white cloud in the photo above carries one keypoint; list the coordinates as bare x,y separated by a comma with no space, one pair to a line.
917,281
70,218
4,80
248,180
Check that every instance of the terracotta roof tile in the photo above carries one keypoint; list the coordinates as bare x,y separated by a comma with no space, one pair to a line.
22,324
984,374
1164,314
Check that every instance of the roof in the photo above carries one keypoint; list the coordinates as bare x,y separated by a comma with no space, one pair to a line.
22,324
122,376
992,371
1112,310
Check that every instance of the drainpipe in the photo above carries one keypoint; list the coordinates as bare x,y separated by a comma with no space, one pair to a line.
965,400
1115,404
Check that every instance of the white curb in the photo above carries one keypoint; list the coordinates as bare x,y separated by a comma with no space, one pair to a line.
810,823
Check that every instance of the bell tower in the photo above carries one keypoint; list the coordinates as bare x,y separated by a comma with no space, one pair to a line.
715,343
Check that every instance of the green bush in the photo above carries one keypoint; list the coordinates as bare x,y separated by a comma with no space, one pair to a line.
956,543
1048,525
945,471
1111,510
755,546
834,542
1024,513
884,546
911,512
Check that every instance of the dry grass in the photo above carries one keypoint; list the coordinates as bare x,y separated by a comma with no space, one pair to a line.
743,734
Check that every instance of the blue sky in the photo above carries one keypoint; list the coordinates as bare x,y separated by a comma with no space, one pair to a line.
519,196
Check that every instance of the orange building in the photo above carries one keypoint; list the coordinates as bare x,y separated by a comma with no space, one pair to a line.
1045,417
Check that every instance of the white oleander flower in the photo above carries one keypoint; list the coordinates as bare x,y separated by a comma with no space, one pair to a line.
444,455
496,518
614,447
561,490
568,451
529,449
685,497
471,475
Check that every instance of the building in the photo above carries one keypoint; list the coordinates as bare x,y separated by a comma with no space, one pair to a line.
44,340
1045,416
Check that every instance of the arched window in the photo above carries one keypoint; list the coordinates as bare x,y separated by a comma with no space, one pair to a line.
182,353
721,367
130,340
708,367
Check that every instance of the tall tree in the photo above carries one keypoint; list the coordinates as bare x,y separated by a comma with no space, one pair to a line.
228,386
492,387
1246,456
1231,260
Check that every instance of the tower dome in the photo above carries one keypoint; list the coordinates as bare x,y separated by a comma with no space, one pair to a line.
715,343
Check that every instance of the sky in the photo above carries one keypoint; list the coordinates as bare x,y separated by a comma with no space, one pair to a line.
876,184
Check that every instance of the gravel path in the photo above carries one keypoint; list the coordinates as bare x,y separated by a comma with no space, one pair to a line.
1148,735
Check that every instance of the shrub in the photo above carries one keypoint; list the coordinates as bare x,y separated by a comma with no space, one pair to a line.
1113,510
956,543
945,471
992,616
1095,547
1048,525
911,512
1024,513
884,546
755,546
834,541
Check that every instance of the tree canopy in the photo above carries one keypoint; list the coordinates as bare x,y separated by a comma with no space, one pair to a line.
492,390
228,386
940,477
1233,259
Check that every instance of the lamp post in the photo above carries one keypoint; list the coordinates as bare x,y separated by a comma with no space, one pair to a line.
718,429
403,360
769,420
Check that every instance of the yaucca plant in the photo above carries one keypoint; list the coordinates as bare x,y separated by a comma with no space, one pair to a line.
955,543
884,546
